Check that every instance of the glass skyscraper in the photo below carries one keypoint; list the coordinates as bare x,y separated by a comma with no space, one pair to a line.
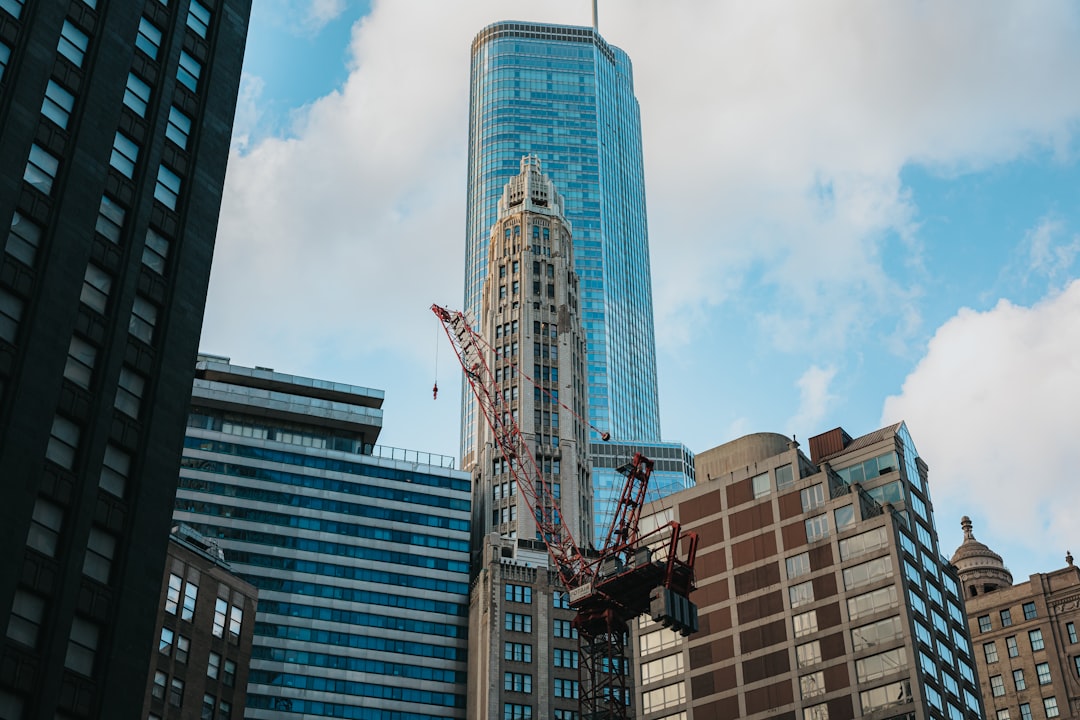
567,96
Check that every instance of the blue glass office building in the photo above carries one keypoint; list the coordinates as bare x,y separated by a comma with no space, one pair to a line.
566,95
360,553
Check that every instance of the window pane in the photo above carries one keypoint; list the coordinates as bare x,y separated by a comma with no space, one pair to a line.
63,442
41,169
167,188
125,153
179,127
114,471
12,6
188,72
137,94
57,104
149,38
80,362
198,18
82,644
23,240
25,621
73,43
96,286
143,319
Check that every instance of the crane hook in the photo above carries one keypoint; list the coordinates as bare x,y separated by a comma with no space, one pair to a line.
435,392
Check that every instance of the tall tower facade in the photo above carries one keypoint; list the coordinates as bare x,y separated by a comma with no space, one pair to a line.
566,95
530,317
115,121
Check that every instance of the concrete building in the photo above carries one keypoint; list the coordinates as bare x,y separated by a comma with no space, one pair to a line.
520,639
821,591
360,553
205,621
116,119
1026,643
567,96
530,318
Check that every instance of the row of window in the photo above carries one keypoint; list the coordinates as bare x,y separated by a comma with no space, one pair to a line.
1050,708
357,642
1031,612
1035,639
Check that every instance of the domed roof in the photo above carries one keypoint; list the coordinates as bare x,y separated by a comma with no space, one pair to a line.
977,563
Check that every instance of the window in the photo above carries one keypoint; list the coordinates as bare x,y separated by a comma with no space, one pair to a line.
176,692
165,644
1036,639
868,572
808,654
188,71
805,623
565,629
143,319
183,647
172,596
801,594
514,711
114,471
24,239
517,622
110,219
221,608
137,95
517,682
878,666
1043,671
1006,618
167,187
12,6
662,698
872,602
1018,680
864,543
997,685
517,652
149,38
129,392
125,153
784,477
1051,707
160,681
881,632
895,693
155,252
198,18
5,51
41,168
817,528
27,611
57,104
566,688
1070,629
990,652
560,599
1010,643
844,517
208,703
816,712
236,619
191,594
228,673
798,565
812,685
63,442
984,623
179,127
82,644
224,710
760,485
95,289
518,593
1003,714
1030,613
654,670
100,548
213,666
73,43
1025,711
812,497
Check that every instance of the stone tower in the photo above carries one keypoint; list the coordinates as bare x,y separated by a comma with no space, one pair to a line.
981,569
530,317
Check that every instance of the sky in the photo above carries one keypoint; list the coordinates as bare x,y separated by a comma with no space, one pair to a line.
859,213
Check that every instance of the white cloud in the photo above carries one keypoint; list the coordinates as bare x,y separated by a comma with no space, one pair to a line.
775,134
322,12
1049,256
993,410
815,400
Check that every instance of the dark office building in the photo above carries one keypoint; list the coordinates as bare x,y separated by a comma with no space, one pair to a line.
115,118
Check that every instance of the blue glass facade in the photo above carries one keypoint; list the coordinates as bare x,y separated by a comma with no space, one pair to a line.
673,470
565,95
361,561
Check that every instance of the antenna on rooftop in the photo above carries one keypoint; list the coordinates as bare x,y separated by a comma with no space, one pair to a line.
595,21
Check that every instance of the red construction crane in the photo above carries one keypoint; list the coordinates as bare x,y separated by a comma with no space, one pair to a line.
633,573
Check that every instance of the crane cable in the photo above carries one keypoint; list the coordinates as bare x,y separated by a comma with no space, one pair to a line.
435,387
